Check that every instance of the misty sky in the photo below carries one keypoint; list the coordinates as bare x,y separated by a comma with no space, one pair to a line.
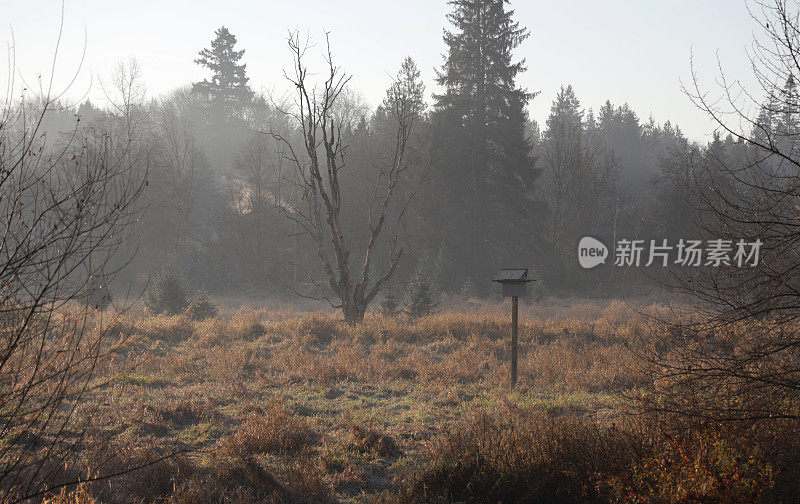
634,51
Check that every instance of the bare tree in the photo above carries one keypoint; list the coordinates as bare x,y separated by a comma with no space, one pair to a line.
318,165
126,96
254,192
65,205
740,359
178,169
578,180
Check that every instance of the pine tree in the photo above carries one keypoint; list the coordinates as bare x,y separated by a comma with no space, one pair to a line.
483,160
228,86
167,294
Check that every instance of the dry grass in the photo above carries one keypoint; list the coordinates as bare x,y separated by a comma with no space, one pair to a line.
366,440
516,456
280,406
274,431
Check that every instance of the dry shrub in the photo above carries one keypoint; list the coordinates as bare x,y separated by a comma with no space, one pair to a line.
468,364
288,359
326,370
365,440
618,313
231,365
462,326
211,332
171,329
306,481
297,362
184,412
320,329
515,456
589,368
243,481
245,325
276,431
183,365
146,471
77,496
703,464
416,362
119,327
380,328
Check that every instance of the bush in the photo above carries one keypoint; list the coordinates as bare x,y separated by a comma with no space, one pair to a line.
364,440
276,431
703,464
422,294
201,307
517,456
167,294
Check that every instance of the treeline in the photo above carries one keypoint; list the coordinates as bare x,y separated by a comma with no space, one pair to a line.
485,186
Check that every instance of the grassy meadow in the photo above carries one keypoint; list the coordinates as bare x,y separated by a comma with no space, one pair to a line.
280,405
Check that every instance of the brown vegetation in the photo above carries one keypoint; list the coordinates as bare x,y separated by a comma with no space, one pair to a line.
265,406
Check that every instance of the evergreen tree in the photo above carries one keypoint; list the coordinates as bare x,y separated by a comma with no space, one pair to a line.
422,295
167,294
788,123
482,156
228,88
406,94
578,181
562,152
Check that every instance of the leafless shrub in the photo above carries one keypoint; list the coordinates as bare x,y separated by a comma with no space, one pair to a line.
65,207
737,360
515,457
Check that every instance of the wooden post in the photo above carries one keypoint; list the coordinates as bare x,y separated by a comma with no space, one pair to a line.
514,331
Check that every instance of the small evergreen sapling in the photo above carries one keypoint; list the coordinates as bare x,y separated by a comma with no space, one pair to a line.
167,294
201,307
422,294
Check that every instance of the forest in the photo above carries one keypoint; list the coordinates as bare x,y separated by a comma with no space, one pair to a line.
481,186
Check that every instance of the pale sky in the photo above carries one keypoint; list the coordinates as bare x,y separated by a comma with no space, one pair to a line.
626,51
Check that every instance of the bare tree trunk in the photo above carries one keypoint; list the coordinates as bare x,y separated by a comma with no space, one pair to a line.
318,178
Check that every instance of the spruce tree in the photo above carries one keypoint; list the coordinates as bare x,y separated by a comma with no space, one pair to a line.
228,86
483,162
422,295
167,294
790,108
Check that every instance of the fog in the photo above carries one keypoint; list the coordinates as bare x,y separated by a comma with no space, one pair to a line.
227,201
